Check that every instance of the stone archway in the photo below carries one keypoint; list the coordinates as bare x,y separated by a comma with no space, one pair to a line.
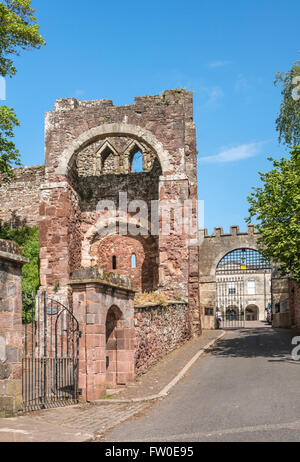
252,313
232,312
135,132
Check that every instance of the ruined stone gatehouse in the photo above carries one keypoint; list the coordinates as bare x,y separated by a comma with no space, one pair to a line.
89,153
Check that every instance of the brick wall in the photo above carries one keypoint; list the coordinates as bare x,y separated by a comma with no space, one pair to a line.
19,199
159,330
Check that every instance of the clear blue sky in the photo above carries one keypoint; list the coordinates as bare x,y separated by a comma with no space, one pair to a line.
227,52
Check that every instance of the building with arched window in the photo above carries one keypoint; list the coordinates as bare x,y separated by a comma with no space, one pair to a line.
234,277
243,285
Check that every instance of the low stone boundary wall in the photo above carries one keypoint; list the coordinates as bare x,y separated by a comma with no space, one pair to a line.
159,330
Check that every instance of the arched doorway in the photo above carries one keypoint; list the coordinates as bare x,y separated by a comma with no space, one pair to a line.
113,325
252,313
243,279
231,313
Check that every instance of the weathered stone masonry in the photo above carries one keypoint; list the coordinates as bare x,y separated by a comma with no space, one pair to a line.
11,329
103,305
159,330
294,302
20,199
89,150
212,249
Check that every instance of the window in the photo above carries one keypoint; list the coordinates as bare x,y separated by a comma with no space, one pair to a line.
114,262
133,260
107,161
243,261
209,311
231,288
251,288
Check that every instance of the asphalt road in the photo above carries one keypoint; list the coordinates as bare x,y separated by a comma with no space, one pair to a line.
246,389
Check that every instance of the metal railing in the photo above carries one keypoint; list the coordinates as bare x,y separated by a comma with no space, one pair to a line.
50,359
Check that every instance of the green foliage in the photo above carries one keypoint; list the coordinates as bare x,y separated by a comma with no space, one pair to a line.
276,206
288,122
18,30
9,155
28,240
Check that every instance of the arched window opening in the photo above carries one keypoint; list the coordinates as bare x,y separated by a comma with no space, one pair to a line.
133,260
243,261
137,162
107,161
114,262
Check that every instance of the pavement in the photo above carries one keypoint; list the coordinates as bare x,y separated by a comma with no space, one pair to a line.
246,388
92,421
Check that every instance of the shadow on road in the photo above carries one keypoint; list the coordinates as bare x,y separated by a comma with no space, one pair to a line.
274,344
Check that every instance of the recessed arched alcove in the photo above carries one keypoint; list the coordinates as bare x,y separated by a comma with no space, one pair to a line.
113,328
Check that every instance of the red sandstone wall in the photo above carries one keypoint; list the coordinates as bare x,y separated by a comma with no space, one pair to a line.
19,199
159,330
75,133
145,275
141,186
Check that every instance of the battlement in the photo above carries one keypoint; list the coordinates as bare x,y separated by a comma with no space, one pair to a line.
234,231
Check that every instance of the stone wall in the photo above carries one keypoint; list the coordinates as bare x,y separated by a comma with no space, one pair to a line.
282,315
159,330
11,329
211,250
103,306
89,151
294,303
20,199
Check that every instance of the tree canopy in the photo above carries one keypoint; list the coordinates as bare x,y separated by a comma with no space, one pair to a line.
18,31
276,205
288,121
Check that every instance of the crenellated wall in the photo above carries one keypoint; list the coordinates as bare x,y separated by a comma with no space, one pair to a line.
211,250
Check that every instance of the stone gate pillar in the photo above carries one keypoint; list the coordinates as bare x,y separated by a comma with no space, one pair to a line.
95,292
11,329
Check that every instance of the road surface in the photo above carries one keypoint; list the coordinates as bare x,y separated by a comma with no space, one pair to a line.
246,389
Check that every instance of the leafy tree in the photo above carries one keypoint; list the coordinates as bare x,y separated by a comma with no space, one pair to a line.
9,155
288,122
276,205
18,31
28,239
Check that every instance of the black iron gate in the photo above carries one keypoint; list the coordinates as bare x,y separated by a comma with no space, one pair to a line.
230,321
51,355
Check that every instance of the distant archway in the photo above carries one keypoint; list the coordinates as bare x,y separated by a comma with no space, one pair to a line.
252,313
243,278
232,312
